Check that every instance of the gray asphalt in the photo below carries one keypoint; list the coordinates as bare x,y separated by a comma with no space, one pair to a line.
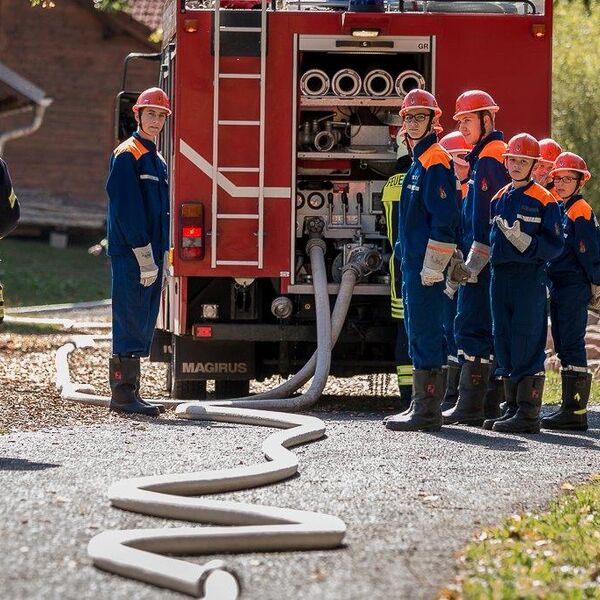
410,501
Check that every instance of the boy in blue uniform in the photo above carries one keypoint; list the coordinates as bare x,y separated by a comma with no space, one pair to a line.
475,113
526,234
427,237
574,278
138,236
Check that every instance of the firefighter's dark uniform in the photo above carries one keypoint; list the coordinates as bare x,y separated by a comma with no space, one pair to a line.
390,198
518,298
138,215
570,275
9,214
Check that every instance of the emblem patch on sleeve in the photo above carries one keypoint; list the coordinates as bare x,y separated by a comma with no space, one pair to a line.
484,185
443,194
582,248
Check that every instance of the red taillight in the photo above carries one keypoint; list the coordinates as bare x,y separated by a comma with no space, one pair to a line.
192,231
202,331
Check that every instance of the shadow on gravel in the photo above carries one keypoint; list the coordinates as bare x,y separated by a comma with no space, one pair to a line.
565,438
22,464
464,435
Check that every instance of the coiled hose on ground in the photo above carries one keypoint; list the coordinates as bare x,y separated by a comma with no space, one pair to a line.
139,554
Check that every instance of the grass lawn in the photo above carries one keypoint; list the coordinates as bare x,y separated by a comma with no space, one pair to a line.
553,555
34,273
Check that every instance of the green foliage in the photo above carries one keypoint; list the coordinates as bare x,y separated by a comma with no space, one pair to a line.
576,86
34,273
553,555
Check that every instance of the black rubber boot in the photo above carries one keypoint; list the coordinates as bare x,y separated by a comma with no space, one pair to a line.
424,413
509,406
452,373
161,407
494,396
529,402
572,414
472,384
124,375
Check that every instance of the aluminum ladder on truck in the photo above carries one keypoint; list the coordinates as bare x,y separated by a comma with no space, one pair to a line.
218,123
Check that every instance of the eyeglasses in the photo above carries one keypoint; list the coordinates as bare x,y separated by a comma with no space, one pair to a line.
567,179
419,118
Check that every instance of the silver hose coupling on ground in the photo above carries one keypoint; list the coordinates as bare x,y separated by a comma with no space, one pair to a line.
314,83
378,83
363,260
409,80
346,82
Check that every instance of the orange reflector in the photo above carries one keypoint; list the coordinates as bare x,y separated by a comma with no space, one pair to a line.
191,232
538,30
202,331
191,210
190,25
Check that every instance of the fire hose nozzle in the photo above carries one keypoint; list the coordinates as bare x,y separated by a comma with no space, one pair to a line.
363,261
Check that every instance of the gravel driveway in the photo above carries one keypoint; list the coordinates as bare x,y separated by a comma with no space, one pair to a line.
410,501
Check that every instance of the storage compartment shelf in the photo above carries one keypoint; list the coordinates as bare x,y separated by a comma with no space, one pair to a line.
334,101
356,152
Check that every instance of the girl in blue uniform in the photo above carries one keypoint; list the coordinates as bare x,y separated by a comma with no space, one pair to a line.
573,279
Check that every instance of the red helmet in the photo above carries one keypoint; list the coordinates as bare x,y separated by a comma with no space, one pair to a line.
420,99
473,101
549,150
153,98
568,161
523,145
455,142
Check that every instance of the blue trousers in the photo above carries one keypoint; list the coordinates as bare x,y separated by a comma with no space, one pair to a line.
450,349
423,317
134,307
568,311
473,324
520,317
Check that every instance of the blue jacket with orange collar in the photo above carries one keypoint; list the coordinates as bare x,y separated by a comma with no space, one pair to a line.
579,262
539,215
488,175
429,202
138,191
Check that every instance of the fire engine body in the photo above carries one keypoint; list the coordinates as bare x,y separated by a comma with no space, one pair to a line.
249,184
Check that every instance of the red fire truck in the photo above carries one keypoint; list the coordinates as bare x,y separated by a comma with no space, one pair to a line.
282,129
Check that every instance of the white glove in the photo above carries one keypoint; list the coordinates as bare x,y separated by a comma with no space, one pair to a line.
148,268
513,233
437,257
479,256
595,301
458,271
451,288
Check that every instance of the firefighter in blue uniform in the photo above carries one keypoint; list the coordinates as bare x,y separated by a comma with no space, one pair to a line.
479,393
427,226
456,145
138,236
526,234
574,278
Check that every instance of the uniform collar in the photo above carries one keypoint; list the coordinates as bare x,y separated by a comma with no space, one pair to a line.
147,143
424,144
572,200
521,190
473,156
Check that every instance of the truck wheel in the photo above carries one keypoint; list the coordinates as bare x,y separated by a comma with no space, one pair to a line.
232,389
188,390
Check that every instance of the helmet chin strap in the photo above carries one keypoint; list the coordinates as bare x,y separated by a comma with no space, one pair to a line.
482,132
140,125
528,176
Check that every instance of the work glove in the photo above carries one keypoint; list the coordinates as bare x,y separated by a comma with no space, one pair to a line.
437,257
595,301
513,233
457,274
478,258
148,268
